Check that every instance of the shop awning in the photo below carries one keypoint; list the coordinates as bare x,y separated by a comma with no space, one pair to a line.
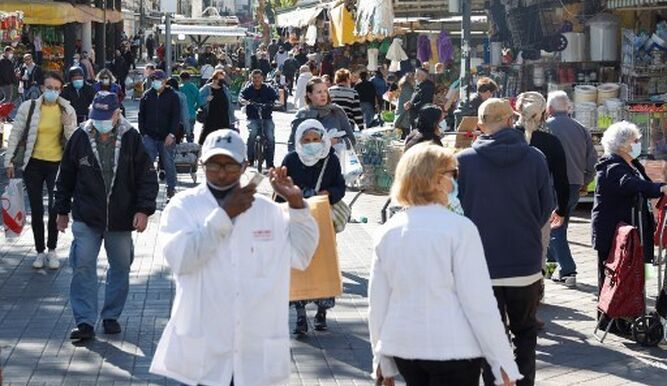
300,17
636,4
40,12
205,30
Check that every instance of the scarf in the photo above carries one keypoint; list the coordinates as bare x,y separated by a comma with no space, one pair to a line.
302,129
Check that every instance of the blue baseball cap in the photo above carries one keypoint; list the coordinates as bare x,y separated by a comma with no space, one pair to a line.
159,75
104,105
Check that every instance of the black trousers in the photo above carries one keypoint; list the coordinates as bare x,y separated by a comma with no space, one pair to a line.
440,373
36,173
518,306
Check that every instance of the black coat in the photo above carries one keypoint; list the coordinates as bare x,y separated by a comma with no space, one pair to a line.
79,99
305,177
159,115
422,96
80,179
620,190
551,147
7,74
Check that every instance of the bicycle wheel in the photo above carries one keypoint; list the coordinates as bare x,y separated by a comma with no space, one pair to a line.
259,152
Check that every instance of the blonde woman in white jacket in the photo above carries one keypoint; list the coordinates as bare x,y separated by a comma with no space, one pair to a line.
52,122
300,93
432,316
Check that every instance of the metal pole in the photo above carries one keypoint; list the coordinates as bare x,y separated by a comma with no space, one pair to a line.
141,29
167,37
104,33
465,78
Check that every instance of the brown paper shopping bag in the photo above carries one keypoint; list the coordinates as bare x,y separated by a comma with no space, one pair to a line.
322,278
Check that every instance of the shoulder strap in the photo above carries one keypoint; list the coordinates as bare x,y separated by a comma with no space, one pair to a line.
24,136
319,179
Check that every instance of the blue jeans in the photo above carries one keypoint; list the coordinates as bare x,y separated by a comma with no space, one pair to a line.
269,128
155,147
559,249
368,111
83,260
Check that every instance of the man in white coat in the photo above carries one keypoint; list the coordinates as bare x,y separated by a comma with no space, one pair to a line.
231,251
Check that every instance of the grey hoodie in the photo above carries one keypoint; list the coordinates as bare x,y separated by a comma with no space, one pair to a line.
505,190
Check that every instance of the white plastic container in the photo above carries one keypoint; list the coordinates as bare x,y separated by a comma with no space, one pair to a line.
607,91
576,47
585,93
604,38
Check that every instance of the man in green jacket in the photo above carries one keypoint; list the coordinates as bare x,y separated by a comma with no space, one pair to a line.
192,94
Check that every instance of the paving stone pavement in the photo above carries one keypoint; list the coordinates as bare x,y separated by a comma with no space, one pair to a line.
35,316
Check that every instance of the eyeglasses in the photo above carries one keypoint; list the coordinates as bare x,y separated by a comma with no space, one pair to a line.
215,167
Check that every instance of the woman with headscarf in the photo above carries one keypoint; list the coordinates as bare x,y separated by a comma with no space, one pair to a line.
319,107
315,168
532,108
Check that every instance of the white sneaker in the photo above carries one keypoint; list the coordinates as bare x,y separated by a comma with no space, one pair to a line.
39,261
52,259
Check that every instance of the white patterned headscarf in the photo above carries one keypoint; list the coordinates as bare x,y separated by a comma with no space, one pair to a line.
301,130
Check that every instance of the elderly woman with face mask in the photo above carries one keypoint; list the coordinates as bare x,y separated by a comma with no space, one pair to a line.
532,108
622,192
314,167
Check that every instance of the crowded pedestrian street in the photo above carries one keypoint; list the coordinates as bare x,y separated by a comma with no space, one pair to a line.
35,315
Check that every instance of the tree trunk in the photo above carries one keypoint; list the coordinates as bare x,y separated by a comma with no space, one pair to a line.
266,30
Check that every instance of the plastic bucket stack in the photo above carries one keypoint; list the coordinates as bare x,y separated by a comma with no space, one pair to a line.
585,93
607,91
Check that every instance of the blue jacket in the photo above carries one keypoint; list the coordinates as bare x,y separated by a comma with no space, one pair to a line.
506,191
619,190
305,177
159,115
205,92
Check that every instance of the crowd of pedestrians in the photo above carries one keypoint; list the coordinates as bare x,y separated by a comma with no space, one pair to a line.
469,250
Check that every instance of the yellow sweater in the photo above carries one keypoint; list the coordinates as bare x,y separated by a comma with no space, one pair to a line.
48,146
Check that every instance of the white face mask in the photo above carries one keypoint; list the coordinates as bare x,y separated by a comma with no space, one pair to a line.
10,56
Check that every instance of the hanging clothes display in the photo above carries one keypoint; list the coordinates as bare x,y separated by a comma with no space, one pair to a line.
342,26
445,48
434,52
396,54
311,35
372,59
384,46
375,19
424,49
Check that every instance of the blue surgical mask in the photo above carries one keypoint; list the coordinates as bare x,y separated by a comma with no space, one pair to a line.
77,83
103,126
312,149
51,95
636,150
454,194
157,85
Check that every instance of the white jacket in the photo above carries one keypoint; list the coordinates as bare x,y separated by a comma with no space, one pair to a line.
68,119
430,294
230,312
300,92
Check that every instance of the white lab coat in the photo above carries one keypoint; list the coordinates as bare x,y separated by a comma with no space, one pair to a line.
230,312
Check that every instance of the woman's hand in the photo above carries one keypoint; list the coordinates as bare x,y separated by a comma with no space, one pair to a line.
506,379
10,172
382,380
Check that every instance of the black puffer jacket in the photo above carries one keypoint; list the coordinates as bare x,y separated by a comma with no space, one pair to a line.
133,189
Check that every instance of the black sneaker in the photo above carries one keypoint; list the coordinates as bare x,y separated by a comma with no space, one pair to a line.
301,326
83,331
171,193
321,321
111,326
162,175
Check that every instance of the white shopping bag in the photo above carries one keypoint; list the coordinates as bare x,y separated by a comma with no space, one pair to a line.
13,208
350,166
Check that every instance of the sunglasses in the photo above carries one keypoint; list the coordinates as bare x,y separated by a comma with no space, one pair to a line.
215,167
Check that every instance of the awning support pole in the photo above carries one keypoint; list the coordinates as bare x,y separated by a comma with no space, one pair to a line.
167,37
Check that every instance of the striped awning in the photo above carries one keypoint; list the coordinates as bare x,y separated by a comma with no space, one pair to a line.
620,4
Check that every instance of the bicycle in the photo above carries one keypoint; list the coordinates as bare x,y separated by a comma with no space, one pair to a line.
261,142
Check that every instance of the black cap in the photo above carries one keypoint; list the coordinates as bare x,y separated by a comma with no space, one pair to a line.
75,71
